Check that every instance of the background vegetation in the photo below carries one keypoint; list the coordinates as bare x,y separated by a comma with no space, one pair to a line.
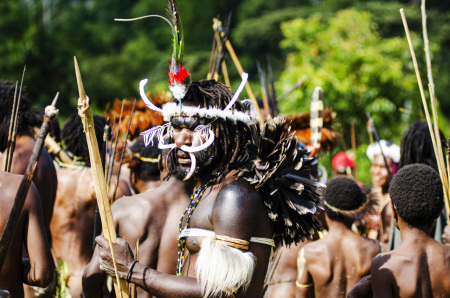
356,50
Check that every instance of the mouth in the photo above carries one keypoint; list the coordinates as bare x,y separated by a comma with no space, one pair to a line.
183,159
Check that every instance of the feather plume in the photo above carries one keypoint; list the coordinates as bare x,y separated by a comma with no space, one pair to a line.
300,124
279,171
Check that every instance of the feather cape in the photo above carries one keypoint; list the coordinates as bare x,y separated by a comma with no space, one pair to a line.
278,169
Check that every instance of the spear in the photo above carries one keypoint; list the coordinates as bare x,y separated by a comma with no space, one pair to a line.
123,153
109,150
262,79
19,200
11,125
84,110
12,145
240,70
297,85
272,95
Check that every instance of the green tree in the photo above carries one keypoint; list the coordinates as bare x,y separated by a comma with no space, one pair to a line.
358,70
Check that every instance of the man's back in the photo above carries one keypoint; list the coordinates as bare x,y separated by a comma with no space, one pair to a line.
337,262
72,224
415,269
44,177
29,232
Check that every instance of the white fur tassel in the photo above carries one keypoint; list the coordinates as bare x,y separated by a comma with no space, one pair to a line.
223,268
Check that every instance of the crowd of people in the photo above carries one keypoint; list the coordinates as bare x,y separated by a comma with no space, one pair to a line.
214,202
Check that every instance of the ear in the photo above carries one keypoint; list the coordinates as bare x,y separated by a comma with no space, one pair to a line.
394,211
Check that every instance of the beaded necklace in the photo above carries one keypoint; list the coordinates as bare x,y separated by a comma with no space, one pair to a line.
195,199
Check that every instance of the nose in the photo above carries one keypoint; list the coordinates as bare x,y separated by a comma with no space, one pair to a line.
182,137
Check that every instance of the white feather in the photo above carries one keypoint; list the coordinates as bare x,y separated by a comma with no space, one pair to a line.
222,268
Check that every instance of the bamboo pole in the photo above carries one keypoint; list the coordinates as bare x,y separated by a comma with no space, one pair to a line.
84,110
426,45
19,200
427,115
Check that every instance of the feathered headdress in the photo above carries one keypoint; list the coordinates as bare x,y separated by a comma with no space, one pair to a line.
300,125
278,170
179,80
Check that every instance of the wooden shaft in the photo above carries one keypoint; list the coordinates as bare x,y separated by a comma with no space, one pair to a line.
24,186
11,125
441,167
123,152
85,112
15,124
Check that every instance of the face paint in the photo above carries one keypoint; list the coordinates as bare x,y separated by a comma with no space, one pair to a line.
194,155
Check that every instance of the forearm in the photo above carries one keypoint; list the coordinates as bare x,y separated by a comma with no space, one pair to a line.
163,284
36,277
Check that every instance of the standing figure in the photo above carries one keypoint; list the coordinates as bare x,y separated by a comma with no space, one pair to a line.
417,147
381,220
247,197
72,225
331,266
420,266
45,175
38,268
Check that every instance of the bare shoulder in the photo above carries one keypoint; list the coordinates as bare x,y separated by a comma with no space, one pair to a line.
239,209
238,195
384,260
315,250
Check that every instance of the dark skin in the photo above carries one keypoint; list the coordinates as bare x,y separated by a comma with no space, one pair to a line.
152,218
30,233
231,209
72,224
380,182
419,267
44,177
337,262
283,280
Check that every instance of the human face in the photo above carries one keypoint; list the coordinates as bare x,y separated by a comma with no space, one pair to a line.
380,177
183,134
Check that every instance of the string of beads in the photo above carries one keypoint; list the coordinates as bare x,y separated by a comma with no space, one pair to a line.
195,199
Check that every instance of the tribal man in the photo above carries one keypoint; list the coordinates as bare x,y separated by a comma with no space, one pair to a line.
72,225
420,266
331,266
225,245
151,218
38,268
45,176
247,197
